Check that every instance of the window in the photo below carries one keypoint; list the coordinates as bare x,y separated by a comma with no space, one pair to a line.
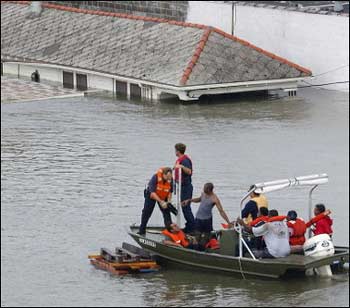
68,80
81,82
135,91
121,88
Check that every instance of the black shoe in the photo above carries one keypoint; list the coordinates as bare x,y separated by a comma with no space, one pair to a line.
142,234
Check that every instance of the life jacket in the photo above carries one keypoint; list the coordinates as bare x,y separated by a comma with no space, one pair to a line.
163,187
213,244
178,238
261,201
277,218
259,219
299,229
179,161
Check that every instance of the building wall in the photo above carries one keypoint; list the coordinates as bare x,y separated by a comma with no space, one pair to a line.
318,42
176,10
215,14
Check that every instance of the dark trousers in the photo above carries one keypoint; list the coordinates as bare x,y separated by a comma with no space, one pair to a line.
186,193
204,225
147,213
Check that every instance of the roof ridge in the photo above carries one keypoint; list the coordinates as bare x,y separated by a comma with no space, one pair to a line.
263,51
112,14
199,48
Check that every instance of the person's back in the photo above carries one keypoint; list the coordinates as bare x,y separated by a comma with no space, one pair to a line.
276,237
205,207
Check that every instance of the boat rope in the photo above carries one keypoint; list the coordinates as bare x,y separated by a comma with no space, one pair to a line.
240,268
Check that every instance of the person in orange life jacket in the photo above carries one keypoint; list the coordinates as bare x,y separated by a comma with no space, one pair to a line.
251,209
297,229
204,218
178,237
159,190
184,163
322,222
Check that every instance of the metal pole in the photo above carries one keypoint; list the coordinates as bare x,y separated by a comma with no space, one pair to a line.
178,217
240,227
310,205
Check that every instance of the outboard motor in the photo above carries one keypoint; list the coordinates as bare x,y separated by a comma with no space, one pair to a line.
320,246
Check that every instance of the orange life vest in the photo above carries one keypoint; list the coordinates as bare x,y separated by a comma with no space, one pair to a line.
178,238
299,229
259,219
163,187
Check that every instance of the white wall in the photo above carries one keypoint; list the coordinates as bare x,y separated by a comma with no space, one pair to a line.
318,42
210,13
100,82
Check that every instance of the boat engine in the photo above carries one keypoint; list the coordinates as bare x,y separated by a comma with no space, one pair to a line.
320,246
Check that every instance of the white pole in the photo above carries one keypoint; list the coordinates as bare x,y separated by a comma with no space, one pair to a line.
178,217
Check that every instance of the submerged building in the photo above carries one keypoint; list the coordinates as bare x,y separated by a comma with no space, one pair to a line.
135,56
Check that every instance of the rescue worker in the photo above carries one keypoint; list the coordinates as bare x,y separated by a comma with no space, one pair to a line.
159,190
321,223
276,237
251,209
184,163
178,237
297,229
204,216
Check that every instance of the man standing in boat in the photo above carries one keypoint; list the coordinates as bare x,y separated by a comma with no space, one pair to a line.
184,163
159,190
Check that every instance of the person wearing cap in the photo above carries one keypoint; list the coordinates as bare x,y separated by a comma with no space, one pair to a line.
251,209
159,191
184,163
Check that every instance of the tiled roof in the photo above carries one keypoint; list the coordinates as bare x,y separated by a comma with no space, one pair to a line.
146,48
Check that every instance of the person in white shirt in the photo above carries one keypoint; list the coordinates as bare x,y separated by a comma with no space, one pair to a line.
276,237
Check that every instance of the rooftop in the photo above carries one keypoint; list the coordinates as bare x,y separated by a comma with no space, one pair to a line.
146,48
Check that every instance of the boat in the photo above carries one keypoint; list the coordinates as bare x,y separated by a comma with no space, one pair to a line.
230,257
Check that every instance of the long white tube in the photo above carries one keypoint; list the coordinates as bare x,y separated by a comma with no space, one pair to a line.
178,217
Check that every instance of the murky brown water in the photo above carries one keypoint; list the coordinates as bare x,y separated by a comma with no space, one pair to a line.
72,179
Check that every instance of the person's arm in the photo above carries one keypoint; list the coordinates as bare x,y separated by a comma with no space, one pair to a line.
186,166
196,200
171,243
244,225
317,218
221,210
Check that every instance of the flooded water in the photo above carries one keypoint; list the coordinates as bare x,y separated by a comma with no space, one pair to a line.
72,179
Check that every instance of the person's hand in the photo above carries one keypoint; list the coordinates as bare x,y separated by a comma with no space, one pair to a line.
230,225
185,202
164,205
327,212
239,221
178,166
